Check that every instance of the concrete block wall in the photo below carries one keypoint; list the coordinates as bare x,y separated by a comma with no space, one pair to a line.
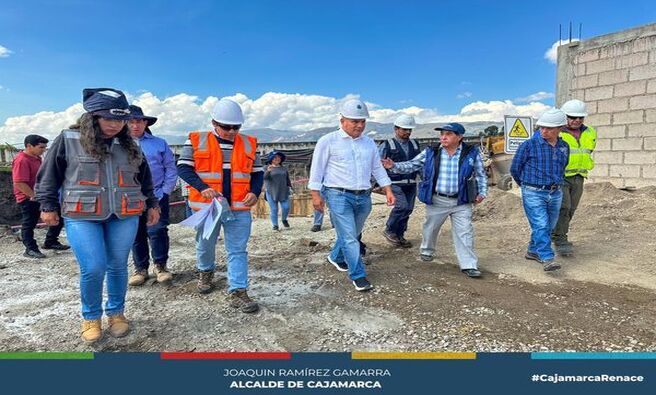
615,75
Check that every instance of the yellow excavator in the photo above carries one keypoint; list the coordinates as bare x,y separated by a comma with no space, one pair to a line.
497,162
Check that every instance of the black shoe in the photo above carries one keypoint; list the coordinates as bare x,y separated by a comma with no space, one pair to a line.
285,224
426,257
473,273
392,238
362,284
549,265
404,243
34,254
55,246
564,249
275,227
532,256
315,228
341,266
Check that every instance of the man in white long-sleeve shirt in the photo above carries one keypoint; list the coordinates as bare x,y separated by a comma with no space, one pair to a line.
342,166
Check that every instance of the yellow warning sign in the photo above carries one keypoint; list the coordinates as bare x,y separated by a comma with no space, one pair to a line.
518,130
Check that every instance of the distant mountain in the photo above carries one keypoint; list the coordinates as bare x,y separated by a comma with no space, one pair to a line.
374,130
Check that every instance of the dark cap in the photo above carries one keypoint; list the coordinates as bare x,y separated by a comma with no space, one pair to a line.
106,102
137,113
452,127
273,154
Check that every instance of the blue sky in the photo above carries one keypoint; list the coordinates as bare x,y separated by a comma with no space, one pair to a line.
432,55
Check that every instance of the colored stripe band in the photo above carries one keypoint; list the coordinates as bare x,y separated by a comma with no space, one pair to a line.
413,355
46,355
593,355
225,355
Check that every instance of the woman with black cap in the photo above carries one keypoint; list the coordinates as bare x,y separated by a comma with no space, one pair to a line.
278,185
105,185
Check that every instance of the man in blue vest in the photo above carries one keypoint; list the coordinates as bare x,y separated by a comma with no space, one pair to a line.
453,181
401,148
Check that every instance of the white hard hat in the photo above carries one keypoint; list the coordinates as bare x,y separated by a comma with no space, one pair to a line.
574,108
227,112
354,109
552,119
405,121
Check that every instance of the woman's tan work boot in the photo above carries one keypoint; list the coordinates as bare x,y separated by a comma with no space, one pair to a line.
91,330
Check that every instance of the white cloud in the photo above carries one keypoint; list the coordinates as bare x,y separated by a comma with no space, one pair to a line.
552,53
4,52
182,113
535,97
463,95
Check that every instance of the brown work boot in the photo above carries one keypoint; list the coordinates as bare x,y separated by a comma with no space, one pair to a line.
118,325
138,278
205,282
239,300
162,274
91,330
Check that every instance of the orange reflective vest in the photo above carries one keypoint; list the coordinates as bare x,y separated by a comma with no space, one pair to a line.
208,163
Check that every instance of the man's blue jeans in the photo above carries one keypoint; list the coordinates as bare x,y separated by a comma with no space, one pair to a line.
405,195
102,247
236,234
542,209
348,213
318,218
158,235
273,209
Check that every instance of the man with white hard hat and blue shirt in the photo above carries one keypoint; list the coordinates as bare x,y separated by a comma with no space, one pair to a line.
342,166
538,167
401,148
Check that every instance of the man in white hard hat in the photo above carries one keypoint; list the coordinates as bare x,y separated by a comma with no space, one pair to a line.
342,166
582,141
223,162
401,148
539,168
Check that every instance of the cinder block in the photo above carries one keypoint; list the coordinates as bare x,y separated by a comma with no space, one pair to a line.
632,88
628,117
638,182
599,66
600,170
600,93
627,144
608,157
643,102
585,81
632,60
643,72
644,43
649,171
613,77
613,105
651,86
598,119
640,158
611,132
579,69
588,56
642,130
625,171
591,106
615,50
650,143
651,115
602,144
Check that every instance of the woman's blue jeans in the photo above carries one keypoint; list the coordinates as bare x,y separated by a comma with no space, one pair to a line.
102,248
273,209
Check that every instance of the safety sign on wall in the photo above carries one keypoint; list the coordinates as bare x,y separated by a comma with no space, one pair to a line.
517,130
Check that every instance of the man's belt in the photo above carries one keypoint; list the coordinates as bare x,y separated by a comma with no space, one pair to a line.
353,191
455,195
552,187
404,182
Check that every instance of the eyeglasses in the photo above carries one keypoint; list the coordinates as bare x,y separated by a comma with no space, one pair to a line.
229,127
573,118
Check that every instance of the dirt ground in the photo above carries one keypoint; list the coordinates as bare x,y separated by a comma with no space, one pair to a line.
602,300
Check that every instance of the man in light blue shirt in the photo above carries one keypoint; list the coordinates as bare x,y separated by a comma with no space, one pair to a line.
342,165
453,179
163,169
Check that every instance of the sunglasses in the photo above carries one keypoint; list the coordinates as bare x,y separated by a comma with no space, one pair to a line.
570,117
229,127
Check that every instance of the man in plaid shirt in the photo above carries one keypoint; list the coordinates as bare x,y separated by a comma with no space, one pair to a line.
453,180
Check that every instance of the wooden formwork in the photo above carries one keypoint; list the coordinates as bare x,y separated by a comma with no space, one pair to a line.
300,206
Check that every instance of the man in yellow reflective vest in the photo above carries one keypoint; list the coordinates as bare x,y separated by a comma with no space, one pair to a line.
582,140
